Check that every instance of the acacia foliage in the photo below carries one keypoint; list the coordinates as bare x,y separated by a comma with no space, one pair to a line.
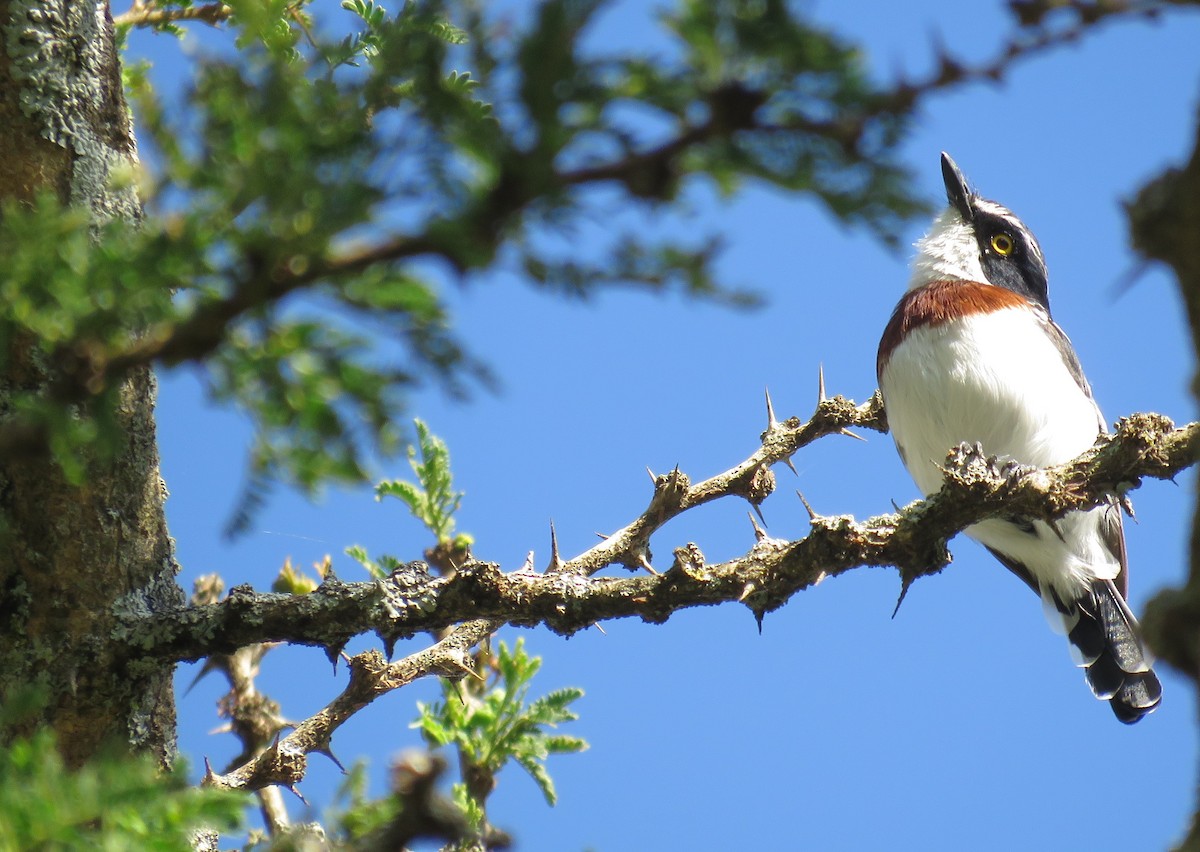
322,174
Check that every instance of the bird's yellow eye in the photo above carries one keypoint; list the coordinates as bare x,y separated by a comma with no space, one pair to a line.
1003,244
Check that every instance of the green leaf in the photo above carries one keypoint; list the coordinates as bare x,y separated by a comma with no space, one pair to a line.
377,569
413,496
114,801
551,709
471,809
435,730
292,581
308,182
500,726
562,744
432,499
537,771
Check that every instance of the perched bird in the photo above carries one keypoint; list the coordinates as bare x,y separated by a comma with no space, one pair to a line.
972,355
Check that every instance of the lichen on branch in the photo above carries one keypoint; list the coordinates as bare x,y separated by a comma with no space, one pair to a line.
568,597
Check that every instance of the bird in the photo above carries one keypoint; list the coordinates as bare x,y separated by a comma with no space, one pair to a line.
971,355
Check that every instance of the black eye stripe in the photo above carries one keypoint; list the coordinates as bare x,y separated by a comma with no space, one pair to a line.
989,225
992,218
1021,268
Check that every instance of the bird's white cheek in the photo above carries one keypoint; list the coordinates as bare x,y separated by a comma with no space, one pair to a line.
948,252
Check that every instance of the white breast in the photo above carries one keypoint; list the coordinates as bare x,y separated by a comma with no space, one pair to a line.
999,380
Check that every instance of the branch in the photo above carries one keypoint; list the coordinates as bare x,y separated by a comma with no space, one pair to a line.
975,487
253,717
89,366
198,334
752,480
479,598
1036,35
149,14
424,812
410,601
86,368
286,761
1164,220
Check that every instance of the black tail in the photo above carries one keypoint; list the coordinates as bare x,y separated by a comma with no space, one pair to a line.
1116,666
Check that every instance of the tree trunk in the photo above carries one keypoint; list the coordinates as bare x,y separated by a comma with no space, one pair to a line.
73,555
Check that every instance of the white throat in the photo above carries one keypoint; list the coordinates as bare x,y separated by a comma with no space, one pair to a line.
948,252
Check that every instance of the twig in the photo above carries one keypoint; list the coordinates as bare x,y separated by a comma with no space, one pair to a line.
253,717
285,762
752,480
90,366
149,14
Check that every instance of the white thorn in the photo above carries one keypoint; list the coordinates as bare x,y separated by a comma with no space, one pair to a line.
555,559
759,535
812,516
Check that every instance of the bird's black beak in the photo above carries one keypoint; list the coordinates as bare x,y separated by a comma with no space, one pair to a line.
957,192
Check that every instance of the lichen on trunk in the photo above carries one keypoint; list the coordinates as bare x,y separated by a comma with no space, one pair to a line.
73,555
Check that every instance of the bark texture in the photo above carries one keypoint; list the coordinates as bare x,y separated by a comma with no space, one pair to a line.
1164,221
74,557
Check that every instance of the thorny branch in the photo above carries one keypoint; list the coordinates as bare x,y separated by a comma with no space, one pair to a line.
414,601
752,479
479,597
285,761
253,717
256,721
764,578
411,601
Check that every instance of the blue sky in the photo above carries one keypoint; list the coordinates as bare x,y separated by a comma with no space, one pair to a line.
960,723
